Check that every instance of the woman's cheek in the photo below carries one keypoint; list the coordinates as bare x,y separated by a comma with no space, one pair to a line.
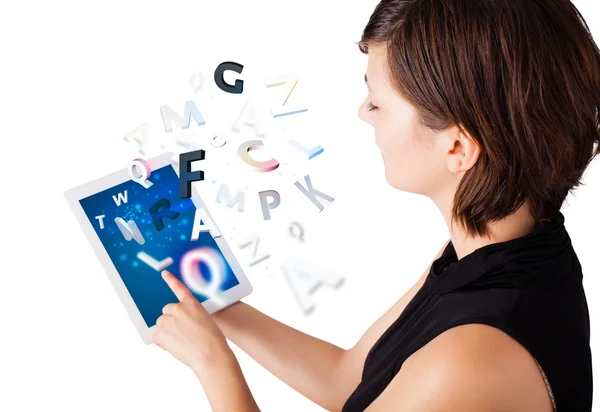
383,132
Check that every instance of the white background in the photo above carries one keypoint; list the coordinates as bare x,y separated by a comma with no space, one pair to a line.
78,76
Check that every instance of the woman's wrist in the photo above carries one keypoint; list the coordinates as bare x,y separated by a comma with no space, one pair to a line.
224,384
227,319
219,355
223,314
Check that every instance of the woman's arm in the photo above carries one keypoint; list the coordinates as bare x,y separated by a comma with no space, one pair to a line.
467,368
321,371
307,364
191,335
224,385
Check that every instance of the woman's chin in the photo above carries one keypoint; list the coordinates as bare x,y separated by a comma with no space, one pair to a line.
396,183
390,179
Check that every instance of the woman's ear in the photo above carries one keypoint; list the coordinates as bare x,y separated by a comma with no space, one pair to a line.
462,150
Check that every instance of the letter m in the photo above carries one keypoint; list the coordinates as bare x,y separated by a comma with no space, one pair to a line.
169,116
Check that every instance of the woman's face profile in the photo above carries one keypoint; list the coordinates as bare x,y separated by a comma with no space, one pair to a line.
416,159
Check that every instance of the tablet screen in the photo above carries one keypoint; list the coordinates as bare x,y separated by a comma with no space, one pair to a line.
123,221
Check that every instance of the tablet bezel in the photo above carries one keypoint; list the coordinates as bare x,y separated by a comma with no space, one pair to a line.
73,196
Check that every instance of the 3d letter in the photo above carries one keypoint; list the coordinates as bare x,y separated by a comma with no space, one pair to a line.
101,219
141,135
255,165
165,212
169,116
189,268
268,206
153,263
129,230
253,241
312,193
186,176
239,197
292,80
121,197
218,141
315,151
197,81
249,111
204,223
305,279
139,171
220,80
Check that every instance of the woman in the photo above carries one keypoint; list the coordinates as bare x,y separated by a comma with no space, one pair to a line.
489,108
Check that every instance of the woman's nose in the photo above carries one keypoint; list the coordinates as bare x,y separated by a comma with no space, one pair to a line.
364,114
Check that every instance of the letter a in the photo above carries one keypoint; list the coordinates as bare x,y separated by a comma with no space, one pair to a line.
204,223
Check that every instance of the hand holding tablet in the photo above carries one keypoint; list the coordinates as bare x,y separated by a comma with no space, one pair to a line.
139,230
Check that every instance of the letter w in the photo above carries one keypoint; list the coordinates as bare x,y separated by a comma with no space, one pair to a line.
120,197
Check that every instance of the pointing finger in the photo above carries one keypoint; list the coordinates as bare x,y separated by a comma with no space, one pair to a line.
178,288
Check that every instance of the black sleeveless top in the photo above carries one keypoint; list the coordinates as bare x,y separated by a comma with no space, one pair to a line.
529,287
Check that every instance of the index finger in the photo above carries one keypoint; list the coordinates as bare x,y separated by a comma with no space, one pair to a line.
178,288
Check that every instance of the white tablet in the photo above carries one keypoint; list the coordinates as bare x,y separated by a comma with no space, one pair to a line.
137,231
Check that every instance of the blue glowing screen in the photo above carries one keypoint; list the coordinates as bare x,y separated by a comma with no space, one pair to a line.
145,284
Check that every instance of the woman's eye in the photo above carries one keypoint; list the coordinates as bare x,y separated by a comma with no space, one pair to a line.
372,107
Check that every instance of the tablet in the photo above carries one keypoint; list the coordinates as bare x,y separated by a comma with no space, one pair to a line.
137,230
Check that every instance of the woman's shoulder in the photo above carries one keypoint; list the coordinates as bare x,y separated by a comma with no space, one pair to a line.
471,367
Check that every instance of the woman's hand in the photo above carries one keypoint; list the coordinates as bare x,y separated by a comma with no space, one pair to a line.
188,332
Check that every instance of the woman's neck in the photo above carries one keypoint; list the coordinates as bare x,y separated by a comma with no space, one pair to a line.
519,224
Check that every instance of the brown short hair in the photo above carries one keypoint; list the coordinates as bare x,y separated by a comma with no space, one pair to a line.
520,77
